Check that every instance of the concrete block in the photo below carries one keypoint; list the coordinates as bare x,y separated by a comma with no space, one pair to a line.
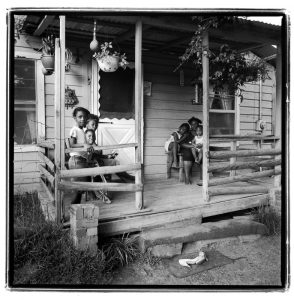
92,231
166,250
96,212
79,233
84,223
93,239
76,212
89,212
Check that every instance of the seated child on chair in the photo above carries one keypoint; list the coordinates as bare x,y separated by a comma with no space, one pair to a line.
198,144
172,145
106,160
93,161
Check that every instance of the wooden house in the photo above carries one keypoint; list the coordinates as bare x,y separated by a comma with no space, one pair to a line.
138,109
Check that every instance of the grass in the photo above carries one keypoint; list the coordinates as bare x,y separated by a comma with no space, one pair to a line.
44,252
268,216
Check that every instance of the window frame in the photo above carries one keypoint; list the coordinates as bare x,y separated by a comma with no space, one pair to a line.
39,102
236,113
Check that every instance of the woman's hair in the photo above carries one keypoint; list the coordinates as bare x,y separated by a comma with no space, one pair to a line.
90,130
200,127
93,117
194,119
186,125
77,109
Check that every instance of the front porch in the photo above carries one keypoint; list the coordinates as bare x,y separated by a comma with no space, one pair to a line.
168,201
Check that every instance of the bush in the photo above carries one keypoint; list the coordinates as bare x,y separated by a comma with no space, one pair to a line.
269,217
45,254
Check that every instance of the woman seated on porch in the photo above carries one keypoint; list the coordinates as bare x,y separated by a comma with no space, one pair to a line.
172,146
186,149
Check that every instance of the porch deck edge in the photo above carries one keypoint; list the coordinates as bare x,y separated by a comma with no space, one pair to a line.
146,221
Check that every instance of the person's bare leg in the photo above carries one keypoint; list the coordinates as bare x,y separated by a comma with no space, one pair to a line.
169,164
200,155
175,154
187,168
194,152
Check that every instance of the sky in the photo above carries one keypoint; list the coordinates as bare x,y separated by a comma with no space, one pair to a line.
270,20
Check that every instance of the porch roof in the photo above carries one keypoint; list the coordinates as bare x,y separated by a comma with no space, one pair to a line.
162,32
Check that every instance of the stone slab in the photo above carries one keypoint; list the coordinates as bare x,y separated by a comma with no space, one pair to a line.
205,231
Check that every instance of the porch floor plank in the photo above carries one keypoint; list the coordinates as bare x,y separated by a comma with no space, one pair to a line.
171,197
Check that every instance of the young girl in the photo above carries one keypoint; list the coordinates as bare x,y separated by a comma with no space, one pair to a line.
78,160
92,161
172,146
198,144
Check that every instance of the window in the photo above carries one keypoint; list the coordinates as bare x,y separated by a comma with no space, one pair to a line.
222,114
24,101
117,94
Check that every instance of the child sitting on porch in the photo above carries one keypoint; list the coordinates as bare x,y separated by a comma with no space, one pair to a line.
106,160
172,146
78,160
92,159
198,144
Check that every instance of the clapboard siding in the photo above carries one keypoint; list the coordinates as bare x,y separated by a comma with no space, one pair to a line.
26,176
165,110
170,105
76,79
249,108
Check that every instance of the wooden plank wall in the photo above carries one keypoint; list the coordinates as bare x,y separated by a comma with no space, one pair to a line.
26,175
165,110
76,79
249,108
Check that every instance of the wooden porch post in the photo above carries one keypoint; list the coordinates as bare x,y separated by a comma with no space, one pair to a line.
205,81
138,106
62,90
278,107
59,70
57,157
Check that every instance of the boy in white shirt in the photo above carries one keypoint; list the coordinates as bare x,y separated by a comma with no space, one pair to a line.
78,160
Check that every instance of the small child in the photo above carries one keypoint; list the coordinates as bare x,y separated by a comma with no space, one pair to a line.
92,122
198,144
172,146
78,160
92,160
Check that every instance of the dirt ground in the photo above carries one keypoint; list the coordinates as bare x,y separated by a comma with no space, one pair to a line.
260,265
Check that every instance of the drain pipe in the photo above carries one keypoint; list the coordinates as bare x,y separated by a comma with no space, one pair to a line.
260,98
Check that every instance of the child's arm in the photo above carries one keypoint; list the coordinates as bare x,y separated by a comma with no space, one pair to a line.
73,143
177,140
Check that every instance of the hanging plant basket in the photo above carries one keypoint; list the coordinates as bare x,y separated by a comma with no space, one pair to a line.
48,62
108,63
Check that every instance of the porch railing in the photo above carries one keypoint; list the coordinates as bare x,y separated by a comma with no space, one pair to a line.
258,159
55,178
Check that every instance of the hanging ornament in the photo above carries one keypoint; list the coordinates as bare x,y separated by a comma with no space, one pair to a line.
68,59
94,46
71,98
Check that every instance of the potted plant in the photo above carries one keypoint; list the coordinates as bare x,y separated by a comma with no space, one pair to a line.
47,57
229,69
108,59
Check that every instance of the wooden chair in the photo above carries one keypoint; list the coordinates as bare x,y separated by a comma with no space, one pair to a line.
98,193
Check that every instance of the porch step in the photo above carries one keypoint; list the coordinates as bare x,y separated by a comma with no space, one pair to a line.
205,231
